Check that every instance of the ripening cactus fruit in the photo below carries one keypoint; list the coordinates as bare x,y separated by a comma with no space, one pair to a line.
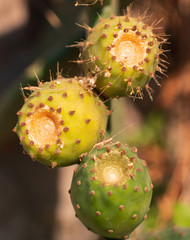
123,53
111,190
172,233
60,120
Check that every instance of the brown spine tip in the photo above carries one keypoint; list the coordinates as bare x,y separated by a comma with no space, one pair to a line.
50,98
27,131
102,132
22,124
115,35
31,143
92,179
132,176
145,216
52,86
152,186
19,113
150,43
22,139
136,189
113,58
104,35
134,149
110,193
77,141
124,186
132,159
62,122
119,25
93,158
138,33
78,207
93,170
31,105
106,26
98,213
144,36
144,163
92,193
118,144
87,121
59,110
135,67
134,28
64,94
78,183
52,109
108,48
71,113
47,146
81,95
59,141
148,50
53,164
121,207
123,152
14,130
66,129
84,165
38,94
31,155
29,114
147,60
57,151
146,189
40,150
108,149
126,19
100,155
134,216
123,69
138,170
126,30
110,231
41,105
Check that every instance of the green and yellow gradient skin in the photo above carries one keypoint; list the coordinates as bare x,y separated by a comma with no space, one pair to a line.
61,120
123,53
111,190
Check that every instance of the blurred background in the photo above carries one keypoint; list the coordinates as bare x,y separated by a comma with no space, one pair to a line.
34,201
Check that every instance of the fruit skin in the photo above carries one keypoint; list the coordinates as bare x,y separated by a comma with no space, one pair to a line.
123,53
111,209
60,120
172,233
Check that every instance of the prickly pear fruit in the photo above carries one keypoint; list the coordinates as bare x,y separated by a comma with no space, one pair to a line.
174,233
111,190
123,53
61,120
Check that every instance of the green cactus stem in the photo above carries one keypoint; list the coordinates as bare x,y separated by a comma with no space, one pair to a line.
111,190
60,120
124,54
172,233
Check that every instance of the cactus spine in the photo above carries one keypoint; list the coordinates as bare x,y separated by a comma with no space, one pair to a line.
111,190
60,120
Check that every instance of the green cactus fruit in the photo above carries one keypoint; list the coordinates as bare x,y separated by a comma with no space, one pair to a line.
172,233
111,190
123,53
60,120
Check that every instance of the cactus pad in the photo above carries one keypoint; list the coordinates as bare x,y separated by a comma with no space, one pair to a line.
60,120
123,53
111,190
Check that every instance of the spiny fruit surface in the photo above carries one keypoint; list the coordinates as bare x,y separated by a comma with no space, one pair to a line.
174,233
123,53
60,120
111,190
